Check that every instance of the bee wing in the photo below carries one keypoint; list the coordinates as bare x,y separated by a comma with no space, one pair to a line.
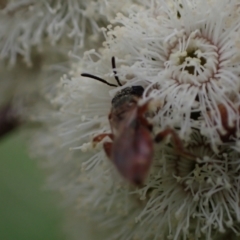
132,152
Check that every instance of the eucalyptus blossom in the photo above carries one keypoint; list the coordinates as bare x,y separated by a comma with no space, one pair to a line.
186,56
69,24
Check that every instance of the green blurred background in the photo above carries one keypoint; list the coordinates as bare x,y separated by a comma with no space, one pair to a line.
27,211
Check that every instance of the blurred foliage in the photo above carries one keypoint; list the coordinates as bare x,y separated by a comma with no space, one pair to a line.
27,211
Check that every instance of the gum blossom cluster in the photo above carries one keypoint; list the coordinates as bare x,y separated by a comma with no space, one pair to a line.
186,55
30,24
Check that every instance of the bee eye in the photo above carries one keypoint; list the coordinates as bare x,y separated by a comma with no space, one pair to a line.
137,90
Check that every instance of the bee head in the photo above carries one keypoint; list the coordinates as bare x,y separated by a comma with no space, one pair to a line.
127,94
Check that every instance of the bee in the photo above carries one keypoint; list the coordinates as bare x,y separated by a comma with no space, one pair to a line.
131,149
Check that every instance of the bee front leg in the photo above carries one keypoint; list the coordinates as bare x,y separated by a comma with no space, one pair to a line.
100,137
176,141
107,146
97,139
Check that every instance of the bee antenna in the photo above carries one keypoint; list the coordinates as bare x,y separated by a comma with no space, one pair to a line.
98,79
115,72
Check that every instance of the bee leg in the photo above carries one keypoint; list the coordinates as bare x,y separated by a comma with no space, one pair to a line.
176,141
140,112
100,137
143,108
163,134
107,146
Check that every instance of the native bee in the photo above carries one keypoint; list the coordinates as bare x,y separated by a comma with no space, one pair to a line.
131,149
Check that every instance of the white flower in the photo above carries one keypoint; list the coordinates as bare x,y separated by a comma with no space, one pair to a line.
26,24
186,57
41,33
